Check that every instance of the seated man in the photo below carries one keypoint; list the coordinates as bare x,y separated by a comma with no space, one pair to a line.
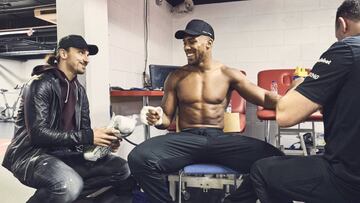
332,85
200,91
52,128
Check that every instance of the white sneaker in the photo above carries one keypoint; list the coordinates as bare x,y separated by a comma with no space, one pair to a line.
122,127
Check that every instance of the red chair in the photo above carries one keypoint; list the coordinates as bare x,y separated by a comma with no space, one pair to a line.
283,77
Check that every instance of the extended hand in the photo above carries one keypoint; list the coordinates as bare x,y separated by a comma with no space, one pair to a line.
150,115
104,136
271,100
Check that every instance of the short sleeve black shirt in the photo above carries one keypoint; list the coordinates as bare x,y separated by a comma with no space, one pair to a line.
334,83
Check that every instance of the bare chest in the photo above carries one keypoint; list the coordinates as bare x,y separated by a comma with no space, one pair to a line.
203,88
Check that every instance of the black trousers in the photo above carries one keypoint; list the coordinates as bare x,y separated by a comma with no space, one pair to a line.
307,179
151,160
67,179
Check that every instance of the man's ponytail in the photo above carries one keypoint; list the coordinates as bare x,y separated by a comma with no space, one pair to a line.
51,59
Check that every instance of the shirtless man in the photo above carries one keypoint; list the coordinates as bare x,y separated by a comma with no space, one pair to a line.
199,92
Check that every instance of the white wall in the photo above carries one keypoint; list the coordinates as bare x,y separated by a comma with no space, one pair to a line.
127,54
126,37
12,73
9,73
262,34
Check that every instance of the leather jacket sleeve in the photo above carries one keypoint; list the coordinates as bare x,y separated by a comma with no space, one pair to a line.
85,122
42,107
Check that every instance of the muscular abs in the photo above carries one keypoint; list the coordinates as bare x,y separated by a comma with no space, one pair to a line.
202,97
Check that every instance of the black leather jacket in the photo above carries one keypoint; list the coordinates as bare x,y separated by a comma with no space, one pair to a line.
37,130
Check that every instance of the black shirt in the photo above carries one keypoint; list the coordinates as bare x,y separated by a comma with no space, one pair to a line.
334,83
68,96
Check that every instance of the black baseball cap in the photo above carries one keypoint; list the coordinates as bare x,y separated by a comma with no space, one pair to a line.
196,27
79,42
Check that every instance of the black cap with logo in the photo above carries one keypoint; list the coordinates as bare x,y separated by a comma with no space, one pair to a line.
79,42
196,27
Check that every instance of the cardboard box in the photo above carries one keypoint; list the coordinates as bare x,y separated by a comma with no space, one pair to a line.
231,122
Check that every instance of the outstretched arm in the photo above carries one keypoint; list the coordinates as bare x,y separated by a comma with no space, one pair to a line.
287,113
252,92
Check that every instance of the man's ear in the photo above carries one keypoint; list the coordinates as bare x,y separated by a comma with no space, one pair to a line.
62,53
209,43
343,25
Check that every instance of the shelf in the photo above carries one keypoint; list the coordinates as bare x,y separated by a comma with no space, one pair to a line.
136,93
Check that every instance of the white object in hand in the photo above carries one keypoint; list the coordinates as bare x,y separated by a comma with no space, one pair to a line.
146,109
122,126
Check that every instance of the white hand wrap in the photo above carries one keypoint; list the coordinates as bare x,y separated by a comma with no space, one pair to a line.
122,125
125,124
146,109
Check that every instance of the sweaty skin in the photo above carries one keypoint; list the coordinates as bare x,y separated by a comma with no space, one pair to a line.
200,91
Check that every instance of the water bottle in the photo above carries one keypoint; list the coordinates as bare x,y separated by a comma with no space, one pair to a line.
228,108
274,87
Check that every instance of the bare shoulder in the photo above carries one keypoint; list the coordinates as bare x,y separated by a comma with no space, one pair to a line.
181,72
176,75
233,73
178,71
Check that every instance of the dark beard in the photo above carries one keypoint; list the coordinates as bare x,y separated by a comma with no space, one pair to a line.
198,60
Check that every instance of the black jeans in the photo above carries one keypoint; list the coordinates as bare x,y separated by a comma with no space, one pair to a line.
307,179
64,180
152,159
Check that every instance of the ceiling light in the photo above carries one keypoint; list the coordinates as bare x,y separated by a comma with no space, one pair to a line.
30,32
25,53
15,32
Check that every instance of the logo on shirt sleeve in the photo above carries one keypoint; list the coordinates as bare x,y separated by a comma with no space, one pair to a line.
313,76
324,60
